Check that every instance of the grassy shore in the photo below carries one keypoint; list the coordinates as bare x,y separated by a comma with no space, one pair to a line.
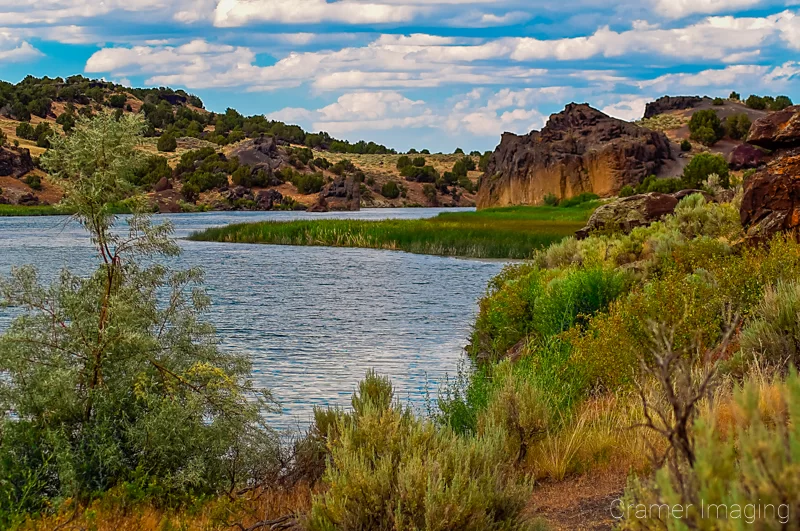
493,233
18,210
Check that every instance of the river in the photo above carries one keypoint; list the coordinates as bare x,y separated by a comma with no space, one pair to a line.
314,319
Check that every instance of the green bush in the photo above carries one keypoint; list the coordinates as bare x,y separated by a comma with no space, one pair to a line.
25,130
735,96
423,174
67,121
737,126
117,100
150,171
390,471
780,103
663,186
308,183
43,133
390,190
34,181
627,191
419,162
686,146
705,127
550,199
756,102
718,101
167,142
579,199
704,164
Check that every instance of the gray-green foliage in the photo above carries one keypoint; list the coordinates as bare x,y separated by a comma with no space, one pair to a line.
773,335
112,377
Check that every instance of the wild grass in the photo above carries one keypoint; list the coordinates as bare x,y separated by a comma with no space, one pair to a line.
50,210
512,233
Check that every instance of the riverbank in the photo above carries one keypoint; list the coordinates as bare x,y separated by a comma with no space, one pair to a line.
511,233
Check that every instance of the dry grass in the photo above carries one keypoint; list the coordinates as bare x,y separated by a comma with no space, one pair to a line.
664,122
109,514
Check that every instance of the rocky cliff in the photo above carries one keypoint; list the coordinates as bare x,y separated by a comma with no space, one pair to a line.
579,150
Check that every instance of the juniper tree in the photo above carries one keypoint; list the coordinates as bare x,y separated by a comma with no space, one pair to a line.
113,377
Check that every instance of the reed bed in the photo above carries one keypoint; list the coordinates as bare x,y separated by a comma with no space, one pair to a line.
510,233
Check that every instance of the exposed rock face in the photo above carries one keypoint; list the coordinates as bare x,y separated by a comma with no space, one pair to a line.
771,201
28,199
15,162
777,130
579,150
268,199
344,193
261,153
672,103
628,213
745,156
162,185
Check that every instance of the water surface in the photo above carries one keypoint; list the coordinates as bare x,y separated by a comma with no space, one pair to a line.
314,319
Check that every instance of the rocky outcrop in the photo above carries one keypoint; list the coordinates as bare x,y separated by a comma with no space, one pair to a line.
343,193
771,201
672,103
15,162
579,150
268,199
262,153
778,130
627,213
745,156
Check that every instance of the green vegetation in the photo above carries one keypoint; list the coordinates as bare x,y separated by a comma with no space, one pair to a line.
704,164
737,126
705,127
493,233
390,190
768,102
167,142
686,146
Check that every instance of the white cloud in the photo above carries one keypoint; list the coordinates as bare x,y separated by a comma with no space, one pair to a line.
682,8
631,108
15,50
231,13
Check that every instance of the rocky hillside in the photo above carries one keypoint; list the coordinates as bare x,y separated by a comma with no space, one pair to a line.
583,150
202,160
579,150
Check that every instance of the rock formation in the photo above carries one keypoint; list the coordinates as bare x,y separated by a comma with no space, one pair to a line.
771,201
777,130
746,156
15,162
261,153
344,193
579,150
627,213
672,103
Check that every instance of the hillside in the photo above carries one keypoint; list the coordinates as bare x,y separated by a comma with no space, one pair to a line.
309,170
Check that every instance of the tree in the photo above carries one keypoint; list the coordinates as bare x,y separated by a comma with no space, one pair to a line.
718,101
167,142
686,146
25,130
419,162
704,164
705,127
780,103
67,121
390,190
735,96
458,151
117,100
756,102
403,162
128,380
737,126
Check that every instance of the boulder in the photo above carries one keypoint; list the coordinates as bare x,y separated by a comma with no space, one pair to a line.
267,199
777,130
15,162
672,103
28,199
260,153
771,201
746,156
579,150
628,213
344,193
162,185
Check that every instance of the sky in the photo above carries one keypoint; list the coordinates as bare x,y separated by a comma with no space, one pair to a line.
435,74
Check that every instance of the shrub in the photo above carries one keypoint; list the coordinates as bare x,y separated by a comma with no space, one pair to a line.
43,133
322,163
390,471
308,183
550,199
737,126
718,101
686,146
425,174
458,151
117,100
150,171
663,186
579,199
390,190
705,127
773,335
67,121
780,103
627,191
429,191
744,470
343,167
34,181
735,96
167,142
419,162
756,102
483,164
25,130
703,165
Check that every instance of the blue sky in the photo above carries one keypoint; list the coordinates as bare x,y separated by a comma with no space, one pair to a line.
438,74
